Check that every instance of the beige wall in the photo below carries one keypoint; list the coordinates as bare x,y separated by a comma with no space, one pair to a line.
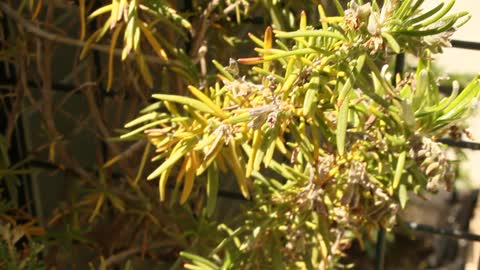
459,60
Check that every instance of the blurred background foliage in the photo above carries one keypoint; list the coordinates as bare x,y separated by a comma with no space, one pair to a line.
73,73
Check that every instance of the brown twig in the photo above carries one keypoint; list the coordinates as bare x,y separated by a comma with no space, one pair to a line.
199,35
121,256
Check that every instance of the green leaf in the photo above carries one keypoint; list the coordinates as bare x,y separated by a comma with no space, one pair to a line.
199,261
466,95
339,7
309,33
342,122
152,107
403,195
399,169
392,42
444,103
426,14
347,87
310,101
420,90
142,162
405,6
207,101
433,31
439,15
223,71
143,128
462,101
415,7
100,11
141,119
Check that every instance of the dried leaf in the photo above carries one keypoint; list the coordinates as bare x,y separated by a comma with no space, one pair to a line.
153,42
96,210
144,69
112,56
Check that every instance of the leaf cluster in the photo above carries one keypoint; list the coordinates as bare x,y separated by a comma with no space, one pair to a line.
318,134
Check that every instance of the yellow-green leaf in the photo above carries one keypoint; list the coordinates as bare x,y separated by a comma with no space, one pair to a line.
100,11
399,169
141,119
172,159
392,42
403,195
205,99
142,163
212,189
162,183
111,56
189,178
342,122
195,104
223,71
309,33
310,101
154,43
144,69
257,139
234,161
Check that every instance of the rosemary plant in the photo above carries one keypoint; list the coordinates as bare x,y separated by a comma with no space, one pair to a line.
321,136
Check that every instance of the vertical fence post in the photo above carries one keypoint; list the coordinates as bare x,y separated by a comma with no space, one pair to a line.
399,66
380,250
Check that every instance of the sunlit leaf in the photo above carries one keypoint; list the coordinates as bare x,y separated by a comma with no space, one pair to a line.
185,147
195,104
212,189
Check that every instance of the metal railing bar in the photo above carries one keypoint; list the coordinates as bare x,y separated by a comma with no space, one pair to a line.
443,231
399,65
460,144
462,44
